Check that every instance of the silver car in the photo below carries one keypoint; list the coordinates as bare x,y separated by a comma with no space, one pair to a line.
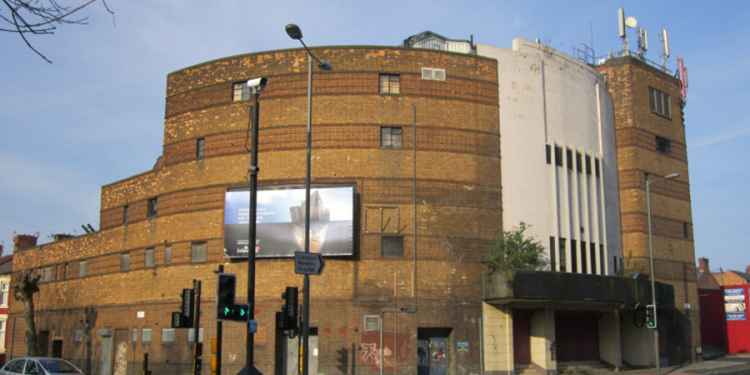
39,366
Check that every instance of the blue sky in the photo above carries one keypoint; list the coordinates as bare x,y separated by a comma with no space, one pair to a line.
96,114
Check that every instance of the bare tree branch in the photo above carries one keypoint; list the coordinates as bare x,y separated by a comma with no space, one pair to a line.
41,17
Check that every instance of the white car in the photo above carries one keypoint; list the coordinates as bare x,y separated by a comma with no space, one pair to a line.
39,366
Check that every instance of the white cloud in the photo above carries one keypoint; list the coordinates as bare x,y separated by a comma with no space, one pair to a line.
721,137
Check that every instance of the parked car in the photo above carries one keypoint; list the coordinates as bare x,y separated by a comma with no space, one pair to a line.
39,366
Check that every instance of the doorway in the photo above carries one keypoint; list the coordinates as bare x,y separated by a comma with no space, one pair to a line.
577,335
57,348
433,351
522,337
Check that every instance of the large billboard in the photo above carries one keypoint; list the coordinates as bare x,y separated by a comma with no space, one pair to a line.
280,221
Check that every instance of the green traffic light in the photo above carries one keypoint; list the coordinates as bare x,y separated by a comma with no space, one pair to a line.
227,311
242,312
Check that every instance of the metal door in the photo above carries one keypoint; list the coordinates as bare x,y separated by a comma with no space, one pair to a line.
423,357
438,355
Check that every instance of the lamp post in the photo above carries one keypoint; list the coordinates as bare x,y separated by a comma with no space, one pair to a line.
295,33
255,86
651,261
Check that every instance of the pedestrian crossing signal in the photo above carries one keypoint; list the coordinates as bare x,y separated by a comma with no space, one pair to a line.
226,309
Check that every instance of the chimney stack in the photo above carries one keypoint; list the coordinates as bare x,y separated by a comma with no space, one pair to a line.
23,242
703,265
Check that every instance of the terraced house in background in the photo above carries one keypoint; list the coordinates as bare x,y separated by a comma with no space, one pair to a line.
441,144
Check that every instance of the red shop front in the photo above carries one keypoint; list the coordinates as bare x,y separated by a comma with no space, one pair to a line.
738,321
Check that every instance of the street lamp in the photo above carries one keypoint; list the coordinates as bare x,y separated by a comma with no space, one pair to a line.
651,260
295,33
255,86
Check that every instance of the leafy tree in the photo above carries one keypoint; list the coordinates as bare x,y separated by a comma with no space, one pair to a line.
24,289
514,250
41,17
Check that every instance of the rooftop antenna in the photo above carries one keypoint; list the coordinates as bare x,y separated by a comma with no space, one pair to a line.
665,47
621,29
642,42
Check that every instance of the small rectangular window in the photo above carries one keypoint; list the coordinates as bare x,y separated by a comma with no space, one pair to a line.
574,256
124,262
200,143
588,165
167,335
552,252
592,258
240,92
125,214
584,261
663,145
433,74
558,156
563,253
392,246
153,206
390,137
146,335
82,268
548,154
569,158
167,255
149,260
685,230
390,84
134,335
198,252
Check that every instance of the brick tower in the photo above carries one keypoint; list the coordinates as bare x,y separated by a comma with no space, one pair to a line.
650,132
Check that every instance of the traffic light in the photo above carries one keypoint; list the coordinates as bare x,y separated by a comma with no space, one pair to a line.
290,309
226,309
651,316
184,317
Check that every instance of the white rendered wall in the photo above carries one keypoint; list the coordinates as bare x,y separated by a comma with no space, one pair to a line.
547,98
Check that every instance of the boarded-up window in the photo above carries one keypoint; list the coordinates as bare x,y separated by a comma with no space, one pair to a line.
198,252
392,246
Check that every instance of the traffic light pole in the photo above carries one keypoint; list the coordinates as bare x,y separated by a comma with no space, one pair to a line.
219,331
196,326
254,125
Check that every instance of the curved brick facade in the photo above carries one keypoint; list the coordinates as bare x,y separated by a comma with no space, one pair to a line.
457,204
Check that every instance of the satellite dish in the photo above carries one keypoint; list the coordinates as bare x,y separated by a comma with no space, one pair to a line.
631,22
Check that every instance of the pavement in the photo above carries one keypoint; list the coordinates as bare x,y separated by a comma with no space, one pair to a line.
737,364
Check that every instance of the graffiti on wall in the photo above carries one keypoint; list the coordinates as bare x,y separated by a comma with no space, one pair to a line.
397,350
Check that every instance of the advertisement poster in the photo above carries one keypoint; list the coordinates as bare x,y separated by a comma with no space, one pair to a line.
734,304
280,222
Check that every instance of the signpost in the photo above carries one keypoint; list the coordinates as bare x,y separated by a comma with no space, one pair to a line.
307,263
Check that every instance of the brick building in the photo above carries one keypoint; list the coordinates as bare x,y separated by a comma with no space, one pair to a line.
417,133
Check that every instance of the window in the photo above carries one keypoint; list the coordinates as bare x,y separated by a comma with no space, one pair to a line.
433,74
592,258
191,334
149,260
200,143
548,153
390,84
4,287
125,262
584,262
569,158
48,274
551,251
153,206
685,230
558,156
134,335
167,335
392,246
614,262
573,256
563,258
390,137
167,255
82,268
588,165
579,166
15,366
240,92
146,335
660,102
125,214
663,145
198,252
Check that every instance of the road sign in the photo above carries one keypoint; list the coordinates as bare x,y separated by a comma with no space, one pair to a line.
253,325
307,263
